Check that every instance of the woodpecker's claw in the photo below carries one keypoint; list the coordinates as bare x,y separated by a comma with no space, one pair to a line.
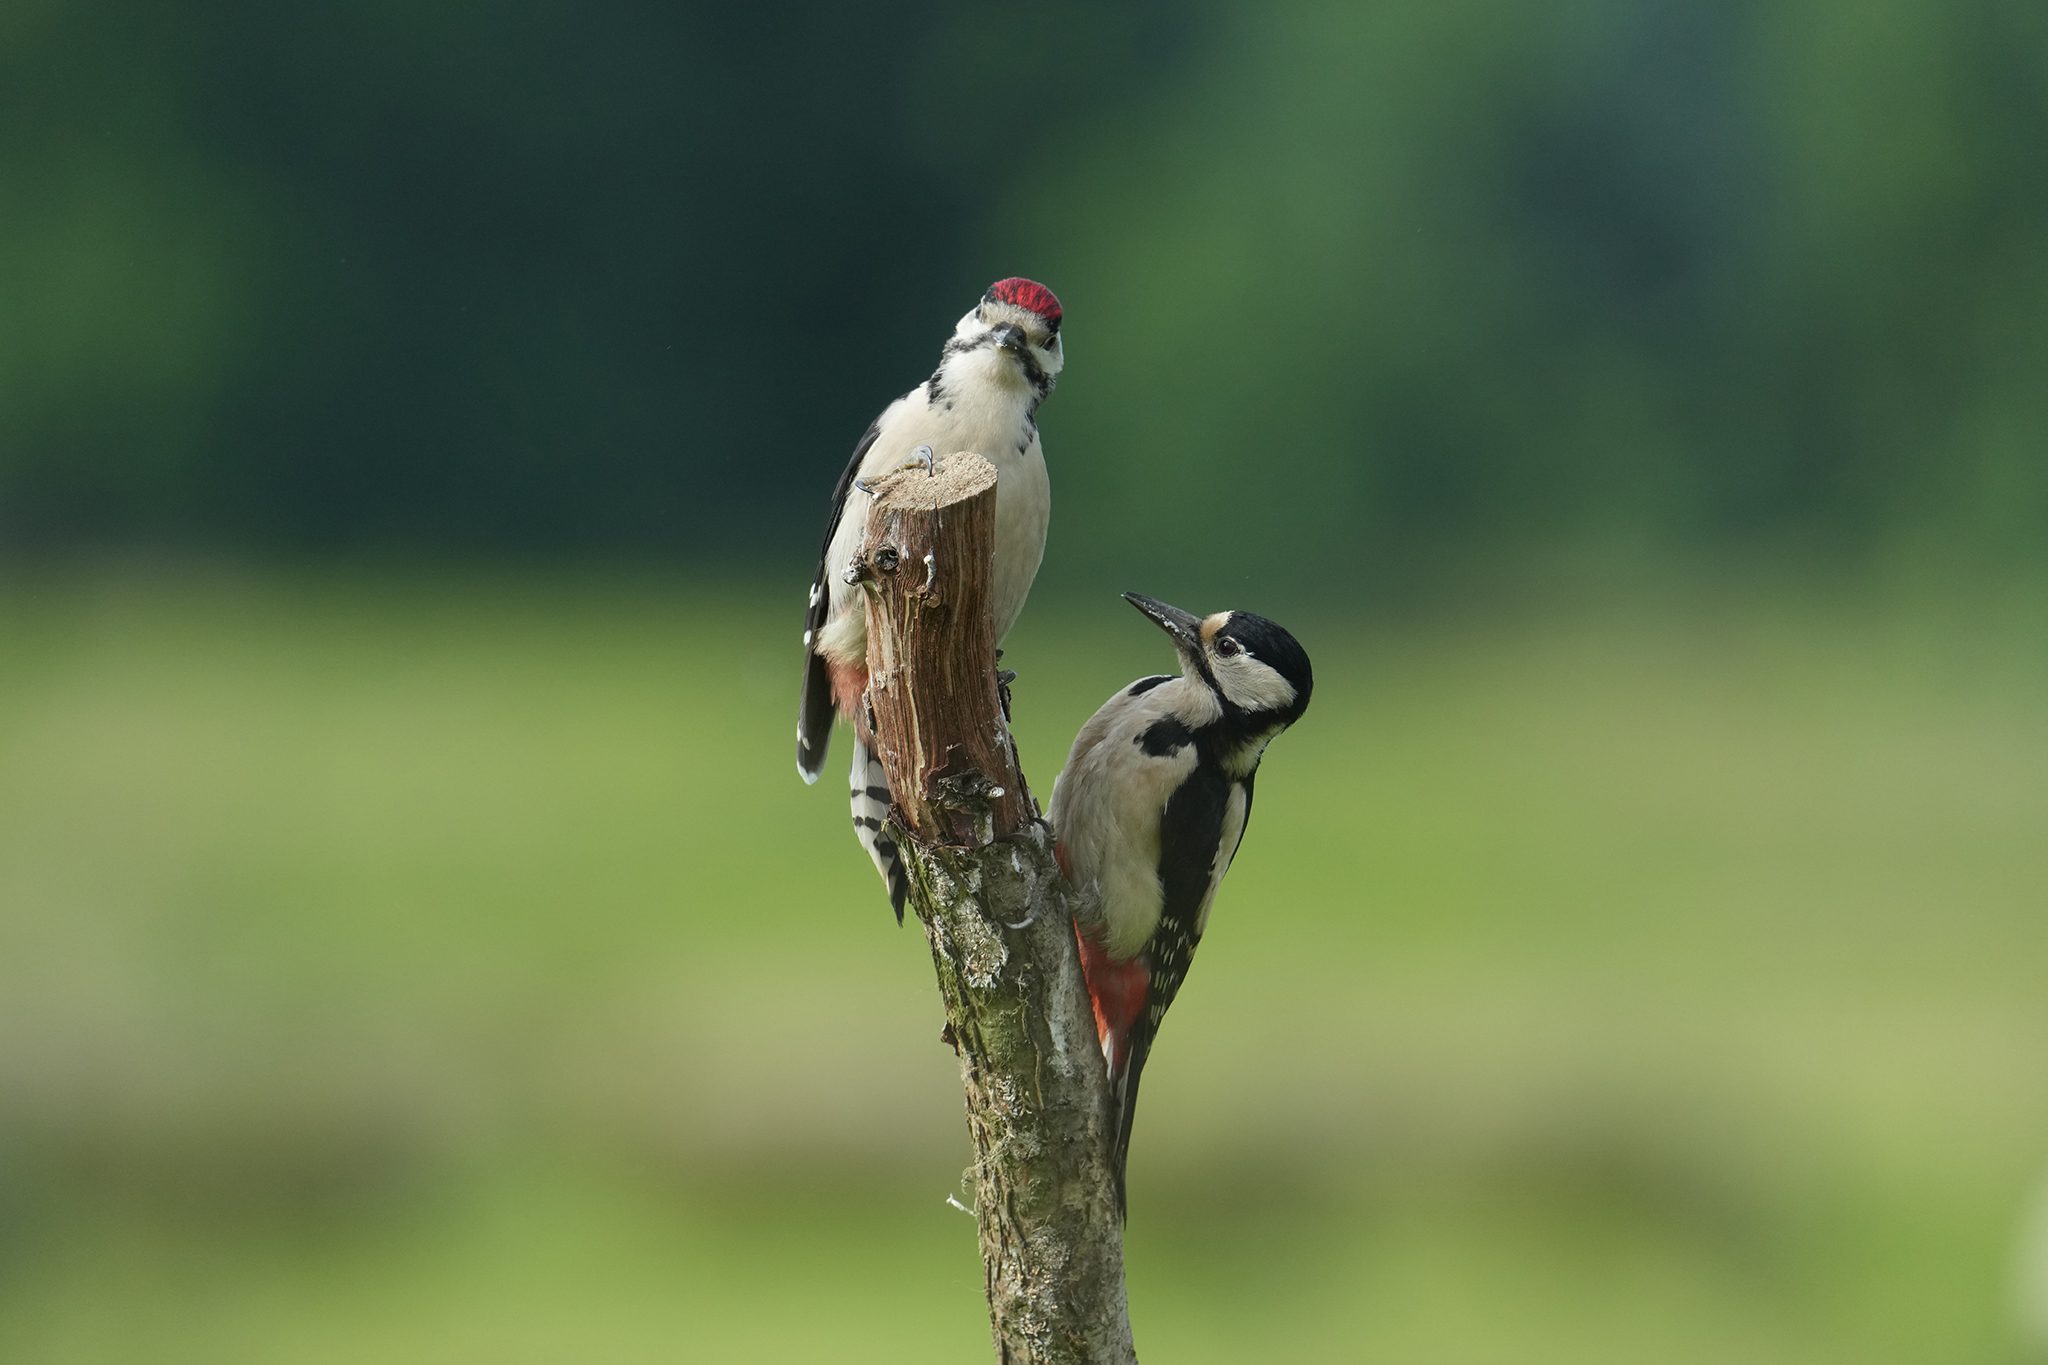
1004,677
920,458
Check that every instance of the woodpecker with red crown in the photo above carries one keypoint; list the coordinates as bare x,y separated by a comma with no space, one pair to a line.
998,366
1148,814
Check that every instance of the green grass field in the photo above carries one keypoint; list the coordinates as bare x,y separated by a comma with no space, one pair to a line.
453,969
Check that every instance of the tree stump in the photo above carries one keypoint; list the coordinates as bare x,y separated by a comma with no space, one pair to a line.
988,892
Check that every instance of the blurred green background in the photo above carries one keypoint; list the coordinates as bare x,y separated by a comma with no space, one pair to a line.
414,430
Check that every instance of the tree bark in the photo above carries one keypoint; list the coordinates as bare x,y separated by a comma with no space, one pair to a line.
987,889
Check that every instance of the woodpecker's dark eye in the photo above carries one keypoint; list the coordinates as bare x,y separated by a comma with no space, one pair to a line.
1228,647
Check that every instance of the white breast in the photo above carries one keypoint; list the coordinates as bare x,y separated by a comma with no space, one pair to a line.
1108,801
990,421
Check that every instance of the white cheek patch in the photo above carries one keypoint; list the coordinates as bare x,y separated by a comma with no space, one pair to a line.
1251,685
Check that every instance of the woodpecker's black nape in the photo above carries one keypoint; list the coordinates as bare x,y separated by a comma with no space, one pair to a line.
1274,646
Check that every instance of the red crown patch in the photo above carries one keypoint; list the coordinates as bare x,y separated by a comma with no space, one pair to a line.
1027,294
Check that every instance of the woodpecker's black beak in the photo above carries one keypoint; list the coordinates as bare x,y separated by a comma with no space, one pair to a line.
1184,627
1010,337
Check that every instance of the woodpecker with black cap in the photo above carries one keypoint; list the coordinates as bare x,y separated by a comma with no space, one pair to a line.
1149,812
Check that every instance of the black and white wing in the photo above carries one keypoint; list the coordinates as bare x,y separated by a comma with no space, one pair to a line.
814,711
1191,863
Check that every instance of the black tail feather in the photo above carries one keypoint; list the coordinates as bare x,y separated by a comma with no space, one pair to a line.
814,718
1124,1108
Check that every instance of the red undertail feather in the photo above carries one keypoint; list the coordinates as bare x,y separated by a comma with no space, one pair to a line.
1117,990
849,684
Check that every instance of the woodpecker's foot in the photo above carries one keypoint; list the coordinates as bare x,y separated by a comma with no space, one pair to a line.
920,458
1004,677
